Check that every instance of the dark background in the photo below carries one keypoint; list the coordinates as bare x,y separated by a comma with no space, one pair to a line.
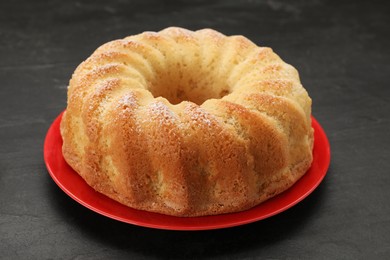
341,49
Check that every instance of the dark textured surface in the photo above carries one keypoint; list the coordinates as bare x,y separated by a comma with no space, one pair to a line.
341,49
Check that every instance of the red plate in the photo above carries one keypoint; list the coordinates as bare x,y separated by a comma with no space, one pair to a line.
73,185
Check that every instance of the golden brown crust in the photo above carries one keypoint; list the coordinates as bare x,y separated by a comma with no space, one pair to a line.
187,123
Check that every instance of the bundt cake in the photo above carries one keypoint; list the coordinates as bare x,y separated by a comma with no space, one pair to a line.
187,123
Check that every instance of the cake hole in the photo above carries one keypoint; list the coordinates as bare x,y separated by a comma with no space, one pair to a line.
187,83
177,94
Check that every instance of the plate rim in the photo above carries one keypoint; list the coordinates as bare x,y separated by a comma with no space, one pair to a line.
189,223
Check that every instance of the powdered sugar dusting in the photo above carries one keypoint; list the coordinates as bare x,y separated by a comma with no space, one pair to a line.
199,116
176,32
156,114
126,104
130,43
128,101
160,112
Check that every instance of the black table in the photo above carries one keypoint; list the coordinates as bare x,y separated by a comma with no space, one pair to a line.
341,50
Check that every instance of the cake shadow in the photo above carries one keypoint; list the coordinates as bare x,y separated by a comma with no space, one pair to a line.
147,242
